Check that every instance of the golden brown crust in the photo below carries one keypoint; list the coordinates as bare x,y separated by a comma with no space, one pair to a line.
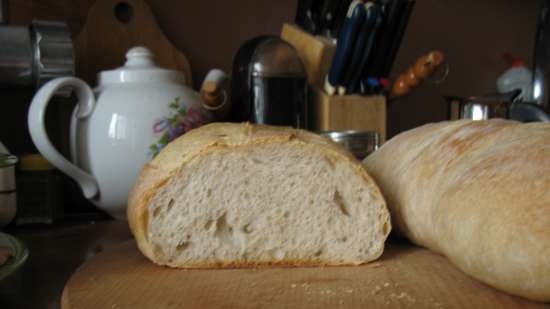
252,264
215,137
477,192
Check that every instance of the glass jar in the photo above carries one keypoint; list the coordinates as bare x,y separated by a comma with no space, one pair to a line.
8,202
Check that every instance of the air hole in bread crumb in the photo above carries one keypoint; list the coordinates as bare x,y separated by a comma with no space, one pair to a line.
208,224
170,205
209,192
286,214
224,231
339,201
318,253
182,245
343,239
248,228
157,250
156,212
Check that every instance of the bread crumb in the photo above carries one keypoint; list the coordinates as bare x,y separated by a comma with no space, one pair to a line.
403,295
326,292
341,302
376,265
293,285
387,284
349,291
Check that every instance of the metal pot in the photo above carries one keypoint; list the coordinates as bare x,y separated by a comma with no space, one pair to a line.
494,106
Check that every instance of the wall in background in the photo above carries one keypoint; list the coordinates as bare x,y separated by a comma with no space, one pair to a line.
472,33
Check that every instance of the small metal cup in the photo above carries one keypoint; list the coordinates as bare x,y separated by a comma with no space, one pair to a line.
359,143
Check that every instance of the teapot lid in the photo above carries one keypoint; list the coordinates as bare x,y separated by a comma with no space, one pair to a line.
140,67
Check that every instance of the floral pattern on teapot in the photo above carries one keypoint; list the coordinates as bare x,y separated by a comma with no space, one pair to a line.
181,120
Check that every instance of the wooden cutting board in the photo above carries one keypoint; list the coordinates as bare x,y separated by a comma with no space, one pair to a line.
405,277
114,26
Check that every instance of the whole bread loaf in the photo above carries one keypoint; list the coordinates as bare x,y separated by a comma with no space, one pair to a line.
231,195
477,192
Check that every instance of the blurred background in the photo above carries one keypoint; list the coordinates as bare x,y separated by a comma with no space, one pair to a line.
472,34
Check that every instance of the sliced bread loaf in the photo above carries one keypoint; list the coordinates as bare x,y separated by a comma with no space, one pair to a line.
239,194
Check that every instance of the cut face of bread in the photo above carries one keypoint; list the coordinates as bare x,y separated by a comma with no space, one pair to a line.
292,203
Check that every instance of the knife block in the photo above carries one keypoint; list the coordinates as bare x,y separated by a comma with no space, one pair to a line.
348,112
315,52
329,113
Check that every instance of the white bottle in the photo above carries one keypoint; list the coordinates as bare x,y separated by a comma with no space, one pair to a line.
518,76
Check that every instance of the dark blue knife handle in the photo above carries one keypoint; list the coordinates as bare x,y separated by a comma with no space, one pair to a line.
360,47
376,18
346,39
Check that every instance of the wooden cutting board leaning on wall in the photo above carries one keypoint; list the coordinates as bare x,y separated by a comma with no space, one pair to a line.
111,28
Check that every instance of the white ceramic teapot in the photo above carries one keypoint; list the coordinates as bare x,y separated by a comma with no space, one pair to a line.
115,129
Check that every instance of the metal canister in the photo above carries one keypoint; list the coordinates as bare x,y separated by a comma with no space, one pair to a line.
32,55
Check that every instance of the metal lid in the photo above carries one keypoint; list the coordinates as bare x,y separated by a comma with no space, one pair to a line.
274,57
140,67
53,51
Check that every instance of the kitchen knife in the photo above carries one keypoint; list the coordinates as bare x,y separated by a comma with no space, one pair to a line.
307,15
344,47
328,14
363,54
397,29
397,37
423,67
339,18
392,11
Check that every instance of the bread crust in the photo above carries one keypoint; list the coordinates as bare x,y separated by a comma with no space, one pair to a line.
477,192
223,136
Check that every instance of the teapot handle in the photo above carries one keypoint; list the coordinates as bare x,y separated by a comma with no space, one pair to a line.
37,128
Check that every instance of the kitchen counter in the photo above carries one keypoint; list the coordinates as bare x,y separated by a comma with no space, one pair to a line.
55,252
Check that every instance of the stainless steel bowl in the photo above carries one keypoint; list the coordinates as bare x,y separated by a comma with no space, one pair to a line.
359,143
